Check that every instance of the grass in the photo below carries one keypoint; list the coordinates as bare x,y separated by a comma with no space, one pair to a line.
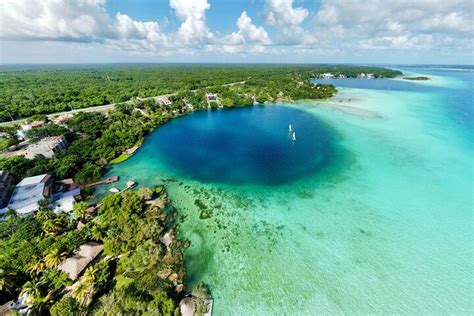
120,158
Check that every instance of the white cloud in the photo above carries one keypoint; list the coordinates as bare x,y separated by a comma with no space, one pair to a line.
287,19
282,13
248,33
403,24
193,29
80,20
339,28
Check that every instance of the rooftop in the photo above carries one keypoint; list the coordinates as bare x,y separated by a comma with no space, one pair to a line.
27,193
74,266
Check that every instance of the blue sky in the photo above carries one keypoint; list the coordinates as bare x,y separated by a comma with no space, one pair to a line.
315,31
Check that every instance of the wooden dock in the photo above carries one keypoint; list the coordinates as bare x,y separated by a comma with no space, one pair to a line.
102,182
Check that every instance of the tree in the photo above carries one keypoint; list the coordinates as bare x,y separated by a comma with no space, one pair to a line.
97,233
80,209
67,306
89,173
7,280
36,266
54,257
43,203
82,293
163,303
52,226
44,214
37,300
11,213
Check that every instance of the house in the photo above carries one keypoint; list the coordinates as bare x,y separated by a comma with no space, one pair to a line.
28,126
5,187
28,192
75,265
62,118
326,75
64,201
47,147
165,100
212,97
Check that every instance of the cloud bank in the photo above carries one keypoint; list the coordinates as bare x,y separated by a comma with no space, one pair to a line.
337,27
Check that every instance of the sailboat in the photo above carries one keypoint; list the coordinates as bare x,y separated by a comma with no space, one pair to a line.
290,129
294,136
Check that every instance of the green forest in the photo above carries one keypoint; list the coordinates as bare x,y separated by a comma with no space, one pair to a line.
44,90
136,273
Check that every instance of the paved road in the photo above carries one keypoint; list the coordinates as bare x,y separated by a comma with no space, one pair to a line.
99,108
103,108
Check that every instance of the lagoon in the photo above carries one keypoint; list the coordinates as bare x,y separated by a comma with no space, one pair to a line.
377,218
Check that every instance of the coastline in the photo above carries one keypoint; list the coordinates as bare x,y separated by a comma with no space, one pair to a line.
348,222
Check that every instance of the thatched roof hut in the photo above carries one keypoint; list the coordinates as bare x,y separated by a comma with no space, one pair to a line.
73,266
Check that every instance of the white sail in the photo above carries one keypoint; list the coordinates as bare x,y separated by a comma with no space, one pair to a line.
290,129
294,136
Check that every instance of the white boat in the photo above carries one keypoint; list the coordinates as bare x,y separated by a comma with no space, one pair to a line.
294,136
114,190
290,129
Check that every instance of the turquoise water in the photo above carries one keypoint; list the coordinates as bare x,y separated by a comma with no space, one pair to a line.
385,225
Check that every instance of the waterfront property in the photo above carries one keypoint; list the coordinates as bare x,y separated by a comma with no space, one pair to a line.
165,100
29,192
64,201
46,147
75,265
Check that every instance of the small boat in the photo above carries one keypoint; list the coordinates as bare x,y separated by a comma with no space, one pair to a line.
290,129
294,136
114,190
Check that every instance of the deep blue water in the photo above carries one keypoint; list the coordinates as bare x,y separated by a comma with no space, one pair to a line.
247,145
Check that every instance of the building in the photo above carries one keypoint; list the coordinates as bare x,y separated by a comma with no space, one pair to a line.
212,97
28,192
75,265
47,147
5,187
165,100
326,75
62,118
28,126
64,201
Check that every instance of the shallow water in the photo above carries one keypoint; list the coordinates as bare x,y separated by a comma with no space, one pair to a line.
384,227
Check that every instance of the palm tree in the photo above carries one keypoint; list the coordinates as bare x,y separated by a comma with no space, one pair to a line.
40,304
43,215
36,301
82,292
80,209
36,266
52,226
53,258
96,233
89,275
7,280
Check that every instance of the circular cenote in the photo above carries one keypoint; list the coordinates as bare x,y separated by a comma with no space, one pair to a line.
249,145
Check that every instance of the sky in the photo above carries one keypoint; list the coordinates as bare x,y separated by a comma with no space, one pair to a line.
270,31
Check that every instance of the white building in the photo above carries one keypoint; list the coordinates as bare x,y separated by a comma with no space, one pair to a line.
47,147
64,201
28,192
